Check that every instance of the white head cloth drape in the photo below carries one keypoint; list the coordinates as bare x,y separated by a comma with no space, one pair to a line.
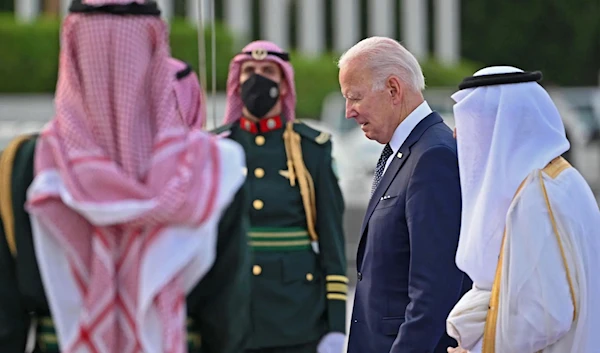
501,139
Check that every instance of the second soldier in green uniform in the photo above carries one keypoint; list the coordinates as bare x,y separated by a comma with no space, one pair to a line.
300,287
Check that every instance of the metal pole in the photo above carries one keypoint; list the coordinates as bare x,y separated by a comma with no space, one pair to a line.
213,61
201,51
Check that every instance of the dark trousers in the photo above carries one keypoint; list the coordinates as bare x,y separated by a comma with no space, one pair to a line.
301,348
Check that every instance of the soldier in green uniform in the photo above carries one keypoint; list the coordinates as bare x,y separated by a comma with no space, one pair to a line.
300,286
38,293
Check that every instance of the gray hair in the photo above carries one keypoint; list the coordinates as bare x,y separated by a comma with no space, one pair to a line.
386,57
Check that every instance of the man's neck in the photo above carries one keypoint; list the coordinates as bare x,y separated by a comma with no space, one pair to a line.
411,103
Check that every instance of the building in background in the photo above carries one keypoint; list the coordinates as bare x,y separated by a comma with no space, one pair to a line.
312,27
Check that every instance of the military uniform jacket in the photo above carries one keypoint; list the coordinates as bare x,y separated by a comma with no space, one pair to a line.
300,287
218,307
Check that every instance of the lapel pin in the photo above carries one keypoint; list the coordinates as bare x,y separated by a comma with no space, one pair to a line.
399,155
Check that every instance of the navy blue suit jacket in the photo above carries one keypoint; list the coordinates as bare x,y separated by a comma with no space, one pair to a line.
407,276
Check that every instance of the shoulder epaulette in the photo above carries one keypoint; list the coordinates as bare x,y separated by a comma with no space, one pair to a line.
184,72
7,161
221,129
308,132
556,166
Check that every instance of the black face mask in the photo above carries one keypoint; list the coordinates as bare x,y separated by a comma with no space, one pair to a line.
259,95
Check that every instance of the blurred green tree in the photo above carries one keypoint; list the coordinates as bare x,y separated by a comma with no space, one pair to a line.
559,37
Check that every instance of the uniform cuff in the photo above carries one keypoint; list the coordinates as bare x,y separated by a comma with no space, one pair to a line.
337,287
337,294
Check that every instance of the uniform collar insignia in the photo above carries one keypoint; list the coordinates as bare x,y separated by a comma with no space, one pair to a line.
263,125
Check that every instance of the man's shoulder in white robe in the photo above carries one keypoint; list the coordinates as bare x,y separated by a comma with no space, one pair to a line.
536,307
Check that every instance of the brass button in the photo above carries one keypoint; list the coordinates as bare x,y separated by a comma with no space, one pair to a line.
256,270
259,172
260,140
258,204
309,277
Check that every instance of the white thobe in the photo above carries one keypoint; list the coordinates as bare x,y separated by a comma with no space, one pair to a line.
536,304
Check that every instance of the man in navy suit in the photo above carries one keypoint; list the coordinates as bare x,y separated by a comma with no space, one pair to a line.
407,277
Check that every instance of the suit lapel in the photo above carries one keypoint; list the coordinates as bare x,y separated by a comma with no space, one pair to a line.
387,179
400,157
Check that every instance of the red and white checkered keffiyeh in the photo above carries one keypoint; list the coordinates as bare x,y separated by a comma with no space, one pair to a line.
190,98
126,198
235,105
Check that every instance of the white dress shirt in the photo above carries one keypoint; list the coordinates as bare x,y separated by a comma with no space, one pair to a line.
405,128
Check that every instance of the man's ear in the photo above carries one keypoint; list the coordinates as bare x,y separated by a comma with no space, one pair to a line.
395,89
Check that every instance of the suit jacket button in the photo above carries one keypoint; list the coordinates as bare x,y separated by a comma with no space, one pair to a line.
359,275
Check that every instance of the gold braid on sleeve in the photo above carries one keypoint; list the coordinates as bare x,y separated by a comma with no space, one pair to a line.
7,214
297,170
